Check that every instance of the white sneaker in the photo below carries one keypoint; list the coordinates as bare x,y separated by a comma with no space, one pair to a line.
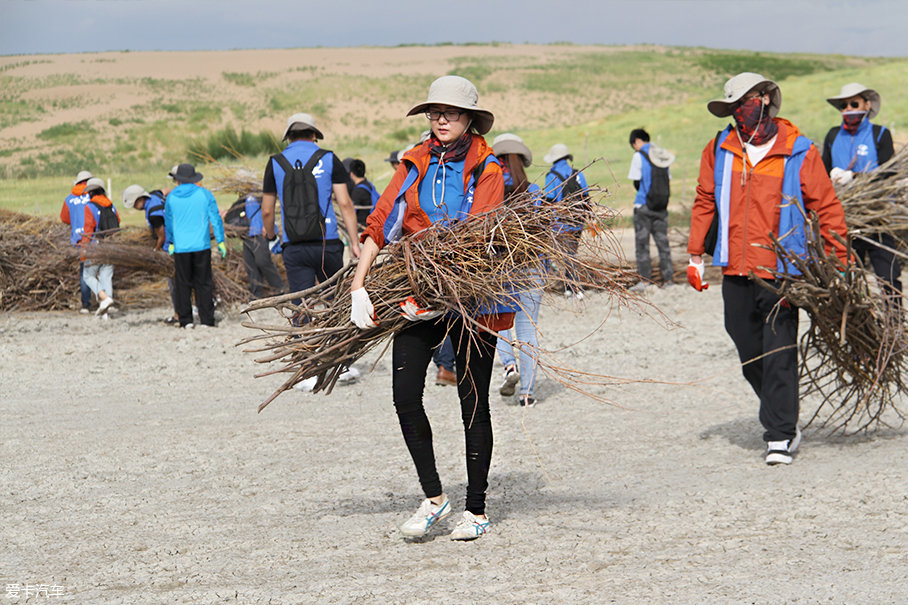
105,317
306,385
105,304
348,376
425,517
84,311
509,382
470,527
780,452
189,326
640,286
579,294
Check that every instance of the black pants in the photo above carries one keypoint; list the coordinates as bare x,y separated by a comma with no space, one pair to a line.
308,264
757,326
260,268
884,263
412,351
192,272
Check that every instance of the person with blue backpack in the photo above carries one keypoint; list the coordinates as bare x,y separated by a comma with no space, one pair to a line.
859,146
650,173
73,214
758,179
451,176
562,182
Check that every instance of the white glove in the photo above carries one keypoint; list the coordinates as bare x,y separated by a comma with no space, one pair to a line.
362,312
274,242
695,276
412,311
840,177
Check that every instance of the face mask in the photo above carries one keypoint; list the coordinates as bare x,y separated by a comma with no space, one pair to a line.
851,120
753,121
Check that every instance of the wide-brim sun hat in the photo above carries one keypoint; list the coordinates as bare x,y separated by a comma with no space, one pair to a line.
132,193
393,157
557,152
853,89
739,86
83,175
457,92
508,143
185,173
94,183
662,158
302,121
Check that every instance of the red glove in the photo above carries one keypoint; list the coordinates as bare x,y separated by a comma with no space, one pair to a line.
695,273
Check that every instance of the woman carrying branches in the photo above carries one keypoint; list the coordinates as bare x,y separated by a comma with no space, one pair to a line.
514,155
448,177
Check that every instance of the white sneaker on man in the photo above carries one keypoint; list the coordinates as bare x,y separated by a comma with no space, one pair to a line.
425,517
781,452
104,305
509,382
470,527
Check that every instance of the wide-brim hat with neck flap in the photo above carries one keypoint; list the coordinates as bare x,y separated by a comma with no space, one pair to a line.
854,89
660,157
508,143
557,152
302,121
185,173
739,86
460,93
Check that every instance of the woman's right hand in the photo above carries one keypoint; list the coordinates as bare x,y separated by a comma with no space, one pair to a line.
362,311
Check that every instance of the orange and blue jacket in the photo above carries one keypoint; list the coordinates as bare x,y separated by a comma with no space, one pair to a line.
488,194
91,220
755,201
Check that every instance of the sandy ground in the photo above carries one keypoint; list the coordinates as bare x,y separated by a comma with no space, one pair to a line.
136,470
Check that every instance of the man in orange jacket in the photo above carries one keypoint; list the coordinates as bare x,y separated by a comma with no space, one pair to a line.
748,175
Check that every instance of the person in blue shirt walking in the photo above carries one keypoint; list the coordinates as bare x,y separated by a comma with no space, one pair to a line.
559,156
514,156
858,146
648,222
73,214
190,213
257,254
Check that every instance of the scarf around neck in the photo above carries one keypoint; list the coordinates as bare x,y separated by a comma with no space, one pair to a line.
851,120
453,152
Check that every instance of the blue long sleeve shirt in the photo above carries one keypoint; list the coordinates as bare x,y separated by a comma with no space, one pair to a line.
188,212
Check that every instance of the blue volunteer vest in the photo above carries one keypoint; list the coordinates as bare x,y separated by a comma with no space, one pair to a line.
373,192
76,204
856,152
253,209
302,151
790,232
155,207
646,176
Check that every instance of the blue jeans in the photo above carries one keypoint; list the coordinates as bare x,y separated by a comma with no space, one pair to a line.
84,290
525,326
444,355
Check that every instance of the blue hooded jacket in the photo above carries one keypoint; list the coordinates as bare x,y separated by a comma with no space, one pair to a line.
188,212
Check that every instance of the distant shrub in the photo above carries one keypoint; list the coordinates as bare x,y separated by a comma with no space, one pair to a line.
66,129
227,143
240,79
774,67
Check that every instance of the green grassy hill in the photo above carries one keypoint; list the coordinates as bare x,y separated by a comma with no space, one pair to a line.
587,97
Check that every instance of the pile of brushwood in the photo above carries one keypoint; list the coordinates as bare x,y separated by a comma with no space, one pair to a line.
461,268
853,356
39,269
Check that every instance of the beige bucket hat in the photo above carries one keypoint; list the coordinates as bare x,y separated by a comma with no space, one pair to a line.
460,93
739,86
132,193
83,175
660,157
302,121
94,183
558,151
854,89
507,143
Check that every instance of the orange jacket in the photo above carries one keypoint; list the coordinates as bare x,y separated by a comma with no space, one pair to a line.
755,199
488,193
90,222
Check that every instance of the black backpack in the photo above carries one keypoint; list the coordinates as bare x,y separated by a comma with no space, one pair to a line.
108,220
300,210
573,192
659,187
236,215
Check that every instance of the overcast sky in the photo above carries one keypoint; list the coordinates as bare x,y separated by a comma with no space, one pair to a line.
867,27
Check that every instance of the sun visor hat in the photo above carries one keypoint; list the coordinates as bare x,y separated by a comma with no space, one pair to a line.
459,93
508,143
739,86
302,121
557,152
132,193
853,90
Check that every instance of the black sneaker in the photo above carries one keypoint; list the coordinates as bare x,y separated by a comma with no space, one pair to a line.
527,401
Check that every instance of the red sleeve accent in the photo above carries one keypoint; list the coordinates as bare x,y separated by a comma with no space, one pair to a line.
64,213
376,222
819,196
701,214
89,227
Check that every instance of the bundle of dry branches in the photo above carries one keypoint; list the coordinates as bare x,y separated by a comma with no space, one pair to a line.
854,353
877,202
462,268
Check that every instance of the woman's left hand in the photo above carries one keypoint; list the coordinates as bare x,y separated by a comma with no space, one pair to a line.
412,311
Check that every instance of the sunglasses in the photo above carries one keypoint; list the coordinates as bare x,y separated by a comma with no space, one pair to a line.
851,104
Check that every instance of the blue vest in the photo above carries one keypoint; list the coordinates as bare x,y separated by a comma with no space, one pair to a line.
253,209
790,232
646,176
373,192
302,151
856,152
76,205
154,206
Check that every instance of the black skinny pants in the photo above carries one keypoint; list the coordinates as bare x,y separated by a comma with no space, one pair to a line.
757,326
411,353
192,272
